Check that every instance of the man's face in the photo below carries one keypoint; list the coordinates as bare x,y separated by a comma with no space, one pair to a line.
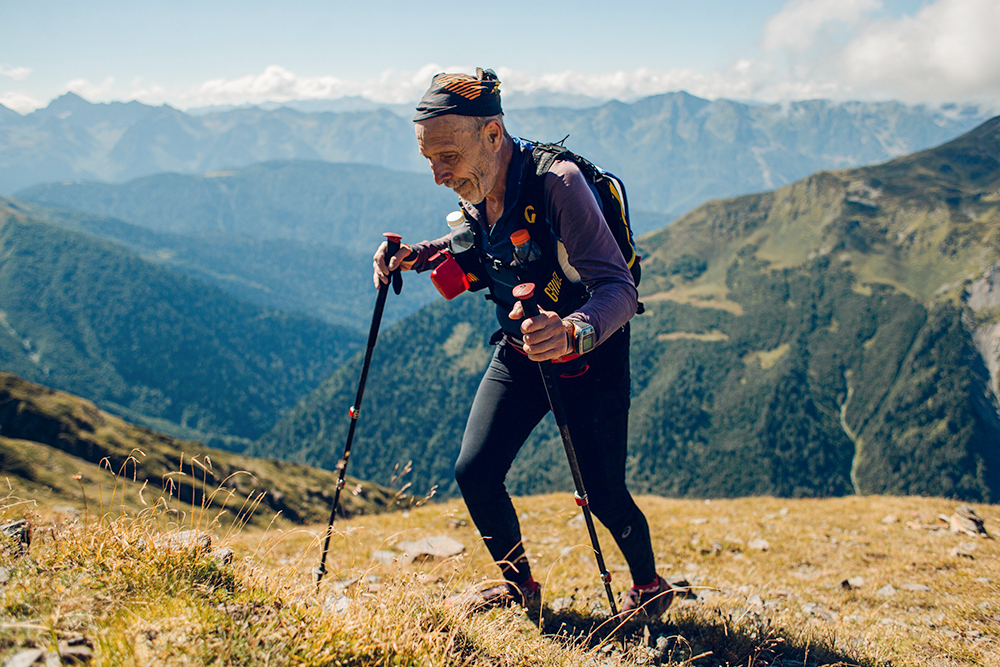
461,157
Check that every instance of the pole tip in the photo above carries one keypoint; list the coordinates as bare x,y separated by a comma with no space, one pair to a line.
395,238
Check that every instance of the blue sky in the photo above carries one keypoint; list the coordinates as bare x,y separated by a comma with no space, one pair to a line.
191,54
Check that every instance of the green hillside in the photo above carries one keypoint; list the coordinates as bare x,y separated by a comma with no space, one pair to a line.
87,316
47,437
323,281
834,336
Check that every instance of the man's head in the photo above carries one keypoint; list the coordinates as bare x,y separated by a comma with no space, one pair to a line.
460,130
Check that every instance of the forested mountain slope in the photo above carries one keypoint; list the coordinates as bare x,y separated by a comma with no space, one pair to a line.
343,205
315,279
88,316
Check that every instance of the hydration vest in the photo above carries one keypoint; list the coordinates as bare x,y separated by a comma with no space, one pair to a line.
558,287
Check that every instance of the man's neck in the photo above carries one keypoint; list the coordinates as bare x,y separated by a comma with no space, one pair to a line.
495,198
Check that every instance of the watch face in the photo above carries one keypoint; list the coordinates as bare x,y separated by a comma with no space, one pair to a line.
585,338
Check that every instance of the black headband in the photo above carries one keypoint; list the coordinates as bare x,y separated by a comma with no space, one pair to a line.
462,95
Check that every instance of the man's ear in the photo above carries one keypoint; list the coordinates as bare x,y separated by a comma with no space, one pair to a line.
493,134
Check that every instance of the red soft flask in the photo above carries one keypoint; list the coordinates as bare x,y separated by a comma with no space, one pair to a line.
448,277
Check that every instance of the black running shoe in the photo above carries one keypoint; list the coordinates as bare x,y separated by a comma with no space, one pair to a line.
528,595
641,604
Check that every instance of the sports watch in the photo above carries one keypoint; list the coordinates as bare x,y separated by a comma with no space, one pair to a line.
585,337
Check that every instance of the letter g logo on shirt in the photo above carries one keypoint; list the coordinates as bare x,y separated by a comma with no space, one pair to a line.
529,214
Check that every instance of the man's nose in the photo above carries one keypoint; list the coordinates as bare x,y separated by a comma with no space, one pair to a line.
441,173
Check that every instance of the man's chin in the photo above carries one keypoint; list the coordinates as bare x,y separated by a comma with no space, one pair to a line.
469,194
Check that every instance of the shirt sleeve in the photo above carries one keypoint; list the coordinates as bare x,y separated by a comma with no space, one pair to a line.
591,250
425,250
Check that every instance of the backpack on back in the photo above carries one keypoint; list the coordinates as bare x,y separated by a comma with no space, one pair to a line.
611,197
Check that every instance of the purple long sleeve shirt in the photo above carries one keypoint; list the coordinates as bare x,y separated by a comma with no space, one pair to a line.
590,249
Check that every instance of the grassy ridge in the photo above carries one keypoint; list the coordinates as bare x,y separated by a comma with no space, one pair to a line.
48,436
765,579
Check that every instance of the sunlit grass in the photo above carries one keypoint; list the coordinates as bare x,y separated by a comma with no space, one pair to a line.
109,575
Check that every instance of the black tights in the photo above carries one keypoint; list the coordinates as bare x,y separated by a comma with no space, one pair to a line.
510,402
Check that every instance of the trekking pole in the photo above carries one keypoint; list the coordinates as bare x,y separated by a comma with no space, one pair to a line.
525,292
392,247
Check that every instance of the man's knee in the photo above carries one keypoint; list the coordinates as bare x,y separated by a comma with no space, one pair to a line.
613,509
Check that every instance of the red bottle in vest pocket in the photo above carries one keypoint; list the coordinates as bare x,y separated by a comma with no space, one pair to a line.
448,277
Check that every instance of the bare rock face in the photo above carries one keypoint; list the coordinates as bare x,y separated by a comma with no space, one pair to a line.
983,294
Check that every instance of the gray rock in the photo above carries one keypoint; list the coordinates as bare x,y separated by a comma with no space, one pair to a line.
430,548
384,556
959,552
19,535
337,604
890,518
759,543
965,520
224,555
24,658
559,604
852,582
886,591
4,575
919,588
76,650
68,510
186,539
819,611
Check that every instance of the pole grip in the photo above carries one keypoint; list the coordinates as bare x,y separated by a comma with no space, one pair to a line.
392,245
525,293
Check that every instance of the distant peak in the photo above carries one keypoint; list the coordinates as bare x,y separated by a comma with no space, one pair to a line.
68,102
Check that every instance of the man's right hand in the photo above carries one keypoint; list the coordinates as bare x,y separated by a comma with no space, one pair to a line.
382,270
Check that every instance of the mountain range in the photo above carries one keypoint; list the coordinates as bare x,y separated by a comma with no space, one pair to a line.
674,151
837,335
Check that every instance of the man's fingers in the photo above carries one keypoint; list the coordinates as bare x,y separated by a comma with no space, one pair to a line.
517,312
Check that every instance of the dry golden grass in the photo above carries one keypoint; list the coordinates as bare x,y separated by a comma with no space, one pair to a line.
111,579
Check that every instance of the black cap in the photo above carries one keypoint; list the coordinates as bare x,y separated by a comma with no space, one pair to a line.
461,95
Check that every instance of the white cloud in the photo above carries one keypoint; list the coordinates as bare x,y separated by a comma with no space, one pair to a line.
16,73
949,48
946,50
92,92
275,84
20,101
799,22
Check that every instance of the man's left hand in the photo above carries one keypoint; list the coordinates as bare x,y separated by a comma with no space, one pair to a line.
546,336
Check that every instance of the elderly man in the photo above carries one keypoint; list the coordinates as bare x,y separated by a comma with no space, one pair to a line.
460,130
